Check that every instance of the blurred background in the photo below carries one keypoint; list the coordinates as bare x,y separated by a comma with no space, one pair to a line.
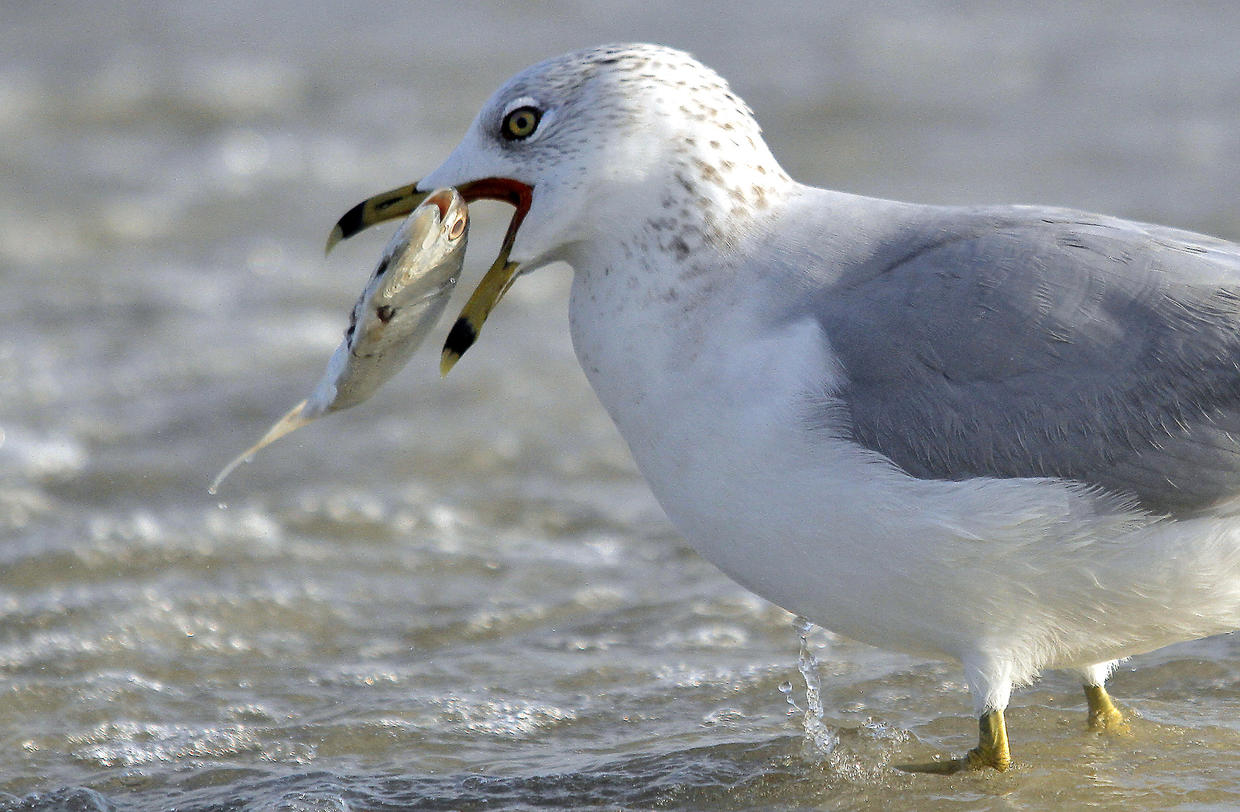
460,594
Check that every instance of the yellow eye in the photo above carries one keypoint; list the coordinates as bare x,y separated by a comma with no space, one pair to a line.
457,228
520,123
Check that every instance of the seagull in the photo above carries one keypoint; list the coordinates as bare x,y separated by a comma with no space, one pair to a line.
1007,436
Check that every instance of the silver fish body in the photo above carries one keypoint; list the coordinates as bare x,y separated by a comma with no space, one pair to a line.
406,295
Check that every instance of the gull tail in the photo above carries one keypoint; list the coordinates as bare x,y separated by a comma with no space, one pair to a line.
290,422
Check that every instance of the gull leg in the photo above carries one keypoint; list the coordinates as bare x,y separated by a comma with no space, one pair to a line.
990,682
991,751
1103,715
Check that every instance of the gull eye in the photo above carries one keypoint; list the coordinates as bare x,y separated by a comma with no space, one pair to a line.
520,123
456,229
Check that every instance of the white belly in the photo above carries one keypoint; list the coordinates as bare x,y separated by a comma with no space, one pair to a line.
1026,570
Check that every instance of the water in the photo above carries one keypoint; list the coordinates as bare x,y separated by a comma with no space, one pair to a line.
460,594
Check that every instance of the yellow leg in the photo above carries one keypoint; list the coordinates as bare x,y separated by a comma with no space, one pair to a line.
991,751
1103,715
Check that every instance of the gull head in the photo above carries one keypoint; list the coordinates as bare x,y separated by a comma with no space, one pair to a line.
637,143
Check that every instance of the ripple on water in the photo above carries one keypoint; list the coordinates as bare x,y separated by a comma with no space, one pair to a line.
132,744
36,457
502,718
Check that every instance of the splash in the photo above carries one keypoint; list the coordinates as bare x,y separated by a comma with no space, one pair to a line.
824,739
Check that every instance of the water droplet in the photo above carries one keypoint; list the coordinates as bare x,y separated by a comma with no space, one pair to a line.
823,738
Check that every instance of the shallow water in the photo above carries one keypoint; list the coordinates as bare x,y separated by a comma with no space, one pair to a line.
460,594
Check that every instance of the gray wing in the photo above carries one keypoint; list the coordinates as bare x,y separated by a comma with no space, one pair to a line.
1023,342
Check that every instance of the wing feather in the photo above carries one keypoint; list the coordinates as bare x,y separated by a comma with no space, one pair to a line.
1027,342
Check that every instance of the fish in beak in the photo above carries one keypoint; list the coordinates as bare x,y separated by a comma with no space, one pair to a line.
405,297
402,200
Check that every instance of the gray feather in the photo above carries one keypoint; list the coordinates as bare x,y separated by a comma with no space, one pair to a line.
1028,342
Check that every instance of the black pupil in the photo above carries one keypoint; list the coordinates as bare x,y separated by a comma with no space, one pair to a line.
521,123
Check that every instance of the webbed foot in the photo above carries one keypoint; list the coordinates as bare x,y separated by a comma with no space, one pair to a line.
991,751
1103,715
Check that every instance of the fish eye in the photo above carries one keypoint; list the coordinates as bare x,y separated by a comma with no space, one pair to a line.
457,228
520,123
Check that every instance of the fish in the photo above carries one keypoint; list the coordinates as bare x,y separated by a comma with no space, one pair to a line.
405,297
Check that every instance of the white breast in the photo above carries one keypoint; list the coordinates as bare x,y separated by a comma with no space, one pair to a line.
713,402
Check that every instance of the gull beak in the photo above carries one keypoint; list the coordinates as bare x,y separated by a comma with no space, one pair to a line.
402,200
389,205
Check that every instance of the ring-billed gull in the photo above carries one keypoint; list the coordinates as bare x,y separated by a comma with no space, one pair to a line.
1008,435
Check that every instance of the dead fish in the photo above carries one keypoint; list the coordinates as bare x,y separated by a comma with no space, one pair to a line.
406,295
